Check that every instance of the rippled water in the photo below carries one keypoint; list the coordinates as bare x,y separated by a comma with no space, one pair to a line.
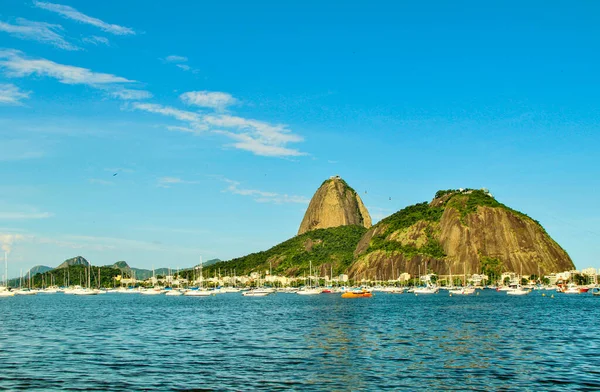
285,341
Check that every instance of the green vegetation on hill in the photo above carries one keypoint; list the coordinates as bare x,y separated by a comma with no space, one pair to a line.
333,246
468,201
74,275
404,219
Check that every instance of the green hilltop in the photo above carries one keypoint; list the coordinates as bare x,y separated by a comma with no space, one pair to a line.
326,248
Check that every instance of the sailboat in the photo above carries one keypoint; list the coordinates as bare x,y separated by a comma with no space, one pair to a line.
518,290
4,290
200,291
88,290
429,288
311,290
463,290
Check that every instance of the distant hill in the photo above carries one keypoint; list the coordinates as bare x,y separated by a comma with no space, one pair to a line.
331,248
210,262
141,273
79,260
38,269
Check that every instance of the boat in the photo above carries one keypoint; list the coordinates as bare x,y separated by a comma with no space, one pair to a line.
5,292
310,290
153,291
518,290
173,293
463,290
257,293
199,293
85,291
426,290
359,293
25,292
596,292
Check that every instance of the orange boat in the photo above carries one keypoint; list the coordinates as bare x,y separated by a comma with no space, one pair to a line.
357,294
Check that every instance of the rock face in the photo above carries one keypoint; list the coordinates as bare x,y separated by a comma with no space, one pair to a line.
334,204
461,230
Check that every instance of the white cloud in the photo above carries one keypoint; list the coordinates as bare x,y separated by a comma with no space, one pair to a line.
166,182
16,65
208,99
8,239
128,94
12,215
258,137
38,31
12,95
73,14
176,59
96,40
262,196
195,131
168,111
179,62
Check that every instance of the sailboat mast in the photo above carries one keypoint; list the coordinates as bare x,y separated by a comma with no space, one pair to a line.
6,269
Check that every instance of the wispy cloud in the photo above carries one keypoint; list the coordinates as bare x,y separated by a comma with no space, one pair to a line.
180,62
194,131
167,182
99,181
209,99
262,196
181,115
12,95
38,31
14,215
16,64
96,40
258,137
131,95
71,13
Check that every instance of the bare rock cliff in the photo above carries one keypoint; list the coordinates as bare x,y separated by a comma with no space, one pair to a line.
334,204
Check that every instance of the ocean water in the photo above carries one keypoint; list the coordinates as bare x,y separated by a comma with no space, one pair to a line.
291,342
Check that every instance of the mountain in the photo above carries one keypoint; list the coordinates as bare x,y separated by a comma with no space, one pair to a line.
334,204
211,262
74,261
326,248
458,229
38,269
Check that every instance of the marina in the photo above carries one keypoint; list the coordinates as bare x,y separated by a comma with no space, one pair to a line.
485,341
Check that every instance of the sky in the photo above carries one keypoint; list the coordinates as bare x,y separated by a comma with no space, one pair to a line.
164,132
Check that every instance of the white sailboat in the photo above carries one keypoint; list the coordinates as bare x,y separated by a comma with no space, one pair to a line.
4,290
200,291
518,290
463,290
311,290
88,290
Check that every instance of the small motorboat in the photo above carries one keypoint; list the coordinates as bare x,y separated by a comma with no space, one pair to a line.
357,294
596,292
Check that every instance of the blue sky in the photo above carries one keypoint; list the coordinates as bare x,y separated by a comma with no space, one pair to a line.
220,119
